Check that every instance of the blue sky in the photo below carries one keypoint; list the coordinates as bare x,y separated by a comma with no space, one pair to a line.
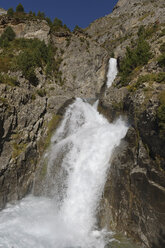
71,12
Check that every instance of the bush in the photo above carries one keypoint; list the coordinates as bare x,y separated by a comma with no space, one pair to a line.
27,62
41,92
19,8
7,36
10,12
57,23
41,15
48,21
77,28
162,48
135,57
159,78
5,79
35,54
161,115
161,60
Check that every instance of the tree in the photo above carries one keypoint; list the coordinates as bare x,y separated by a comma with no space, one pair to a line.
48,21
41,15
77,28
10,12
57,22
8,35
20,8
137,56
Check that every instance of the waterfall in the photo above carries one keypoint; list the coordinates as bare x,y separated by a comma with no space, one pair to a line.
84,141
112,71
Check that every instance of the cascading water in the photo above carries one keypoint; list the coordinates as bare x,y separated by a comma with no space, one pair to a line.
112,71
87,140
77,163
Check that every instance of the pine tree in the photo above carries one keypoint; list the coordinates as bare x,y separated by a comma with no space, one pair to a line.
10,12
20,8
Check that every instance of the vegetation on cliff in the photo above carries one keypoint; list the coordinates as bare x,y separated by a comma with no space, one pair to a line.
139,55
161,115
26,55
7,36
20,13
161,59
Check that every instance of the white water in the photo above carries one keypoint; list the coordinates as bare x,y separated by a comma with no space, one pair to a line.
112,71
86,140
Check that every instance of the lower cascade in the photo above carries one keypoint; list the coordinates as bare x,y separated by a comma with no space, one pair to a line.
78,160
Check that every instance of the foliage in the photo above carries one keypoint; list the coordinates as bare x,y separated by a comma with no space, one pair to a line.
57,23
77,28
5,79
10,12
28,54
41,92
44,143
18,149
134,57
161,58
41,15
27,62
159,78
19,8
5,63
34,55
48,21
161,115
52,125
162,48
7,36
147,32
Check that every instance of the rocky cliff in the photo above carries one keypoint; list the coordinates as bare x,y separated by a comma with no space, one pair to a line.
134,196
29,113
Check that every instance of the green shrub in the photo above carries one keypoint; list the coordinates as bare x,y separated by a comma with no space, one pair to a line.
135,57
48,21
19,8
27,62
77,29
162,48
41,15
161,60
57,24
7,36
162,33
10,12
161,115
41,92
159,78
35,54
5,79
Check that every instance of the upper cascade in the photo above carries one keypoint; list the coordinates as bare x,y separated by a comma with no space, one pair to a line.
112,71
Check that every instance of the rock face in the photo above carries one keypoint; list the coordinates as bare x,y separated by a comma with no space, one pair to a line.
28,29
28,117
134,195
3,11
116,30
